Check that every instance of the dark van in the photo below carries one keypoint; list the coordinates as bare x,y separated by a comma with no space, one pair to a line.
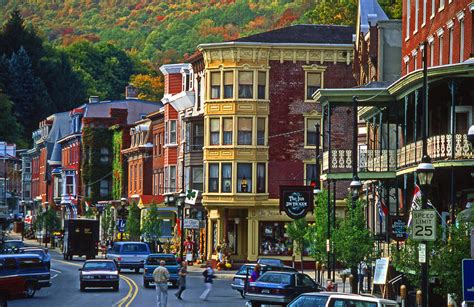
28,266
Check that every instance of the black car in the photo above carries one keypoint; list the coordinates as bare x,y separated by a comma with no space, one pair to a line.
99,273
246,270
280,288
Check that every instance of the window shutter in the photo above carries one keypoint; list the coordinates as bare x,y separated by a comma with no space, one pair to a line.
245,124
228,78
215,78
314,79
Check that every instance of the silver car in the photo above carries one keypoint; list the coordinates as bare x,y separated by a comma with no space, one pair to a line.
99,273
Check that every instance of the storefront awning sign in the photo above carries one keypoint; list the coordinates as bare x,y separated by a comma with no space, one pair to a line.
296,201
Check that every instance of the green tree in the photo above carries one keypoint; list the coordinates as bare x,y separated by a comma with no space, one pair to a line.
353,242
316,235
47,221
107,223
151,228
10,129
89,213
296,231
133,222
334,12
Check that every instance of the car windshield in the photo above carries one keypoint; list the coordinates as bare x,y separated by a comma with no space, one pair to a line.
275,278
243,270
34,251
352,303
99,266
275,262
156,260
10,244
134,248
309,301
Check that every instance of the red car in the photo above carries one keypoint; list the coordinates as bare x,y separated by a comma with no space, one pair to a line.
14,286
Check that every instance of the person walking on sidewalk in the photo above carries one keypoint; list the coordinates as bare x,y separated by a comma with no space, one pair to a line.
182,279
161,277
208,276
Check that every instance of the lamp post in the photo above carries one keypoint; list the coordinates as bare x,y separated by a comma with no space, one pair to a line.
180,204
355,183
317,184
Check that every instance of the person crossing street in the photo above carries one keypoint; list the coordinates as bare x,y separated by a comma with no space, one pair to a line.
161,277
182,279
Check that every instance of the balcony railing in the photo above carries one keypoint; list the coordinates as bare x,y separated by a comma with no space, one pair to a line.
370,160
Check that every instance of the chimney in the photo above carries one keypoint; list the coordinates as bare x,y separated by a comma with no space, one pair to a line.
131,92
94,99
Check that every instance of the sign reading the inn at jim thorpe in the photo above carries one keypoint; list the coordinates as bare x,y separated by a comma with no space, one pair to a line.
398,228
296,201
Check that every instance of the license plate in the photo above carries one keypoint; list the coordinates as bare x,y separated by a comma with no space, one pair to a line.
265,291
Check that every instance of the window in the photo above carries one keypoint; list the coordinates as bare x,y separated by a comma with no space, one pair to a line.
227,131
244,177
261,177
262,82
27,167
244,131
104,188
424,12
104,155
461,40
215,85
274,240
198,136
313,83
407,35
226,178
228,84
196,176
214,135
172,178
441,5
213,177
261,131
415,61
186,82
166,132
245,84
310,174
172,132
70,185
431,54
433,8
417,7
440,50
311,131
451,45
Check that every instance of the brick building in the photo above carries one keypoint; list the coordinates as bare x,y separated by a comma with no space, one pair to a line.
259,119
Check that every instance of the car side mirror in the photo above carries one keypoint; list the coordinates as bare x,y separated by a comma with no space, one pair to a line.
79,269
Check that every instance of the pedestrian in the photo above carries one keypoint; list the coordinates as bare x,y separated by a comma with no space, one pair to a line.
255,274
161,277
330,285
182,279
208,276
362,272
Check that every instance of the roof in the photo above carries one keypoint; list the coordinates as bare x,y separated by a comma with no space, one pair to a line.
304,34
61,127
369,11
137,109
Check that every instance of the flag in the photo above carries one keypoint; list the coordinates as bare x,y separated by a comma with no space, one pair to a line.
415,203
178,226
383,209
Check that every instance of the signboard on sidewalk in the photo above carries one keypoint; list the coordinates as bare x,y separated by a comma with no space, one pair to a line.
381,269
191,224
296,201
424,225
398,228
121,224
468,280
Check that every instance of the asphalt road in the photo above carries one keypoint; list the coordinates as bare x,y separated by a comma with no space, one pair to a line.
65,290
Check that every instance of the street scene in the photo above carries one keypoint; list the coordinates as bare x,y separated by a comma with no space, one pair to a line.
240,153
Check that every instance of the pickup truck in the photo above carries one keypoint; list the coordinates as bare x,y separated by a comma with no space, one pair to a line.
129,255
153,261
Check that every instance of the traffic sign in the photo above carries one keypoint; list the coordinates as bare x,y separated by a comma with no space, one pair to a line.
468,280
424,225
422,253
121,224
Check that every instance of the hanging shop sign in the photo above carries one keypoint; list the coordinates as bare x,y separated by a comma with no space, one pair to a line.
398,228
296,201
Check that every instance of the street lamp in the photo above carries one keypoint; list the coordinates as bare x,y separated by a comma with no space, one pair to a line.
470,136
180,204
355,187
317,183
425,171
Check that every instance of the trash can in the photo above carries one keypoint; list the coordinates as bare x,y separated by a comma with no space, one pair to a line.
18,227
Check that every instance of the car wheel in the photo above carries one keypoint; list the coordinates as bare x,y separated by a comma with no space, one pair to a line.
30,290
146,284
116,287
137,270
82,288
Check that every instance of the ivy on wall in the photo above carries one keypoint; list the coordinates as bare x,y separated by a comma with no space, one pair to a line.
96,162
117,165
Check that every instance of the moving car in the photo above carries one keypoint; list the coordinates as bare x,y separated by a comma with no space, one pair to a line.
10,246
238,282
330,299
280,288
153,261
43,253
129,255
270,261
28,266
99,273
81,238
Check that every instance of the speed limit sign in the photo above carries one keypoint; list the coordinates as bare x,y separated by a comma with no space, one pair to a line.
424,225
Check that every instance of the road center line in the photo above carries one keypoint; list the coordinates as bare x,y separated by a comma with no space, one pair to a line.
56,271
53,277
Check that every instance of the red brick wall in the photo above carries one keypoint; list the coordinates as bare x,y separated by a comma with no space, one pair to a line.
432,25
173,83
286,152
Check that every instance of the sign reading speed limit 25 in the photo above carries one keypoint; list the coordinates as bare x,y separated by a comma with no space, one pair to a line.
424,225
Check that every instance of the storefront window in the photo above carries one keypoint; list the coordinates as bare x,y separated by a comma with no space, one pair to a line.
232,237
214,235
273,239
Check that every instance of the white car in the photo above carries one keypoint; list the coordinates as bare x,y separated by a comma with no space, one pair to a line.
334,299
99,273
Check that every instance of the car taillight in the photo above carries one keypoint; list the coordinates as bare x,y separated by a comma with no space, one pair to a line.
252,289
119,258
278,291
146,270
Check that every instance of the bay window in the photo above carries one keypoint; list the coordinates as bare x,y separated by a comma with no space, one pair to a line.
226,183
215,85
172,132
261,131
262,82
198,136
196,176
213,177
313,83
244,131
261,177
227,131
70,185
245,84
244,177
228,84
214,134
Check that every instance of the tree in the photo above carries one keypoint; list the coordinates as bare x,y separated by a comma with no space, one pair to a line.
133,222
316,235
10,129
47,221
353,242
149,87
151,228
296,231
107,223
334,12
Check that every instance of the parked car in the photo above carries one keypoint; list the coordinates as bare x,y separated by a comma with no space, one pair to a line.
81,238
99,273
153,261
11,287
28,266
326,299
280,288
238,282
129,255
12,246
270,261
42,252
